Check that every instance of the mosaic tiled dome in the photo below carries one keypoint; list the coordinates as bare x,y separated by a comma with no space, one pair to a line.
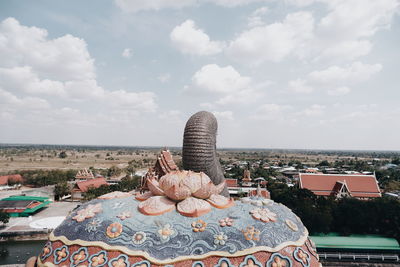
110,231
186,219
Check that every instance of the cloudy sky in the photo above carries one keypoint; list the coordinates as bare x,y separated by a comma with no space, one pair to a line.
277,74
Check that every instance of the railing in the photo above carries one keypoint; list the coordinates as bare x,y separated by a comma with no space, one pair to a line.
361,257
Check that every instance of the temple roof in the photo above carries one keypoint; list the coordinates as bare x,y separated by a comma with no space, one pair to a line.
326,184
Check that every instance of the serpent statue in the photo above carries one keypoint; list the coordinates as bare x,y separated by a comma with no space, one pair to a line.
199,147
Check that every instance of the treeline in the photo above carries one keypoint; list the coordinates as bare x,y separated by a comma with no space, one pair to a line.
345,216
125,185
41,177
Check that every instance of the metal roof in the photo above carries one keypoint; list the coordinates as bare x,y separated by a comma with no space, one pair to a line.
355,242
15,204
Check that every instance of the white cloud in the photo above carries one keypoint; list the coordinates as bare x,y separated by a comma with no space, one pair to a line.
349,19
137,5
63,58
234,3
314,110
224,115
216,79
339,91
300,86
343,33
39,73
142,101
164,78
227,84
255,18
356,72
347,50
272,42
127,53
270,112
300,3
10,101
23,79
191,40
207,105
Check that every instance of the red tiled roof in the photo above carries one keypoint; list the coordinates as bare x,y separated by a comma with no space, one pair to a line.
326,184
14,177
95,182
231,182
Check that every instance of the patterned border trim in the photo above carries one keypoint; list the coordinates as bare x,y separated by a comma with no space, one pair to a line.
48,245
153,260
198,264
97,255
58,261
308,259
224,260
272,258
246,261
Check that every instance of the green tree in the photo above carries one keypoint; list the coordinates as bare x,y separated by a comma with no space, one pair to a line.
4,217
62,155
61,189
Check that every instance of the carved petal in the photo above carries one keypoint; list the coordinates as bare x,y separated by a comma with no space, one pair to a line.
205,191
156,205
220,201
178,192
171,179
144,196
154,187
218,188
193,207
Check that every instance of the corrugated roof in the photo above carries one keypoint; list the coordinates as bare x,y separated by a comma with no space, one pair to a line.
95,182
355,242
324,184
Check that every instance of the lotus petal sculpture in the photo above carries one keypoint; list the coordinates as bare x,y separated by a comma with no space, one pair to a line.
193,190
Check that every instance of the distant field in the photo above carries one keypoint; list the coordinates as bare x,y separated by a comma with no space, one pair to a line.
28,157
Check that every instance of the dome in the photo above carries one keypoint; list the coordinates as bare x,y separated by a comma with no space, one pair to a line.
111,231
183,219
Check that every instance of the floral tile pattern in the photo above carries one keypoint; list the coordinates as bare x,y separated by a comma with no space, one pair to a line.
250,261
117,222
98,260
278,260
301,256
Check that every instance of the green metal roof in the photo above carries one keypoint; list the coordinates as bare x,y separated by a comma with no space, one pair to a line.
41,199
355,242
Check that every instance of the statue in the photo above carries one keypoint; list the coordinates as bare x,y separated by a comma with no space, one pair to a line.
199,152
185,219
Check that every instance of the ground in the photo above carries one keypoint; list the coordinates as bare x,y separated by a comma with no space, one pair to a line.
54,209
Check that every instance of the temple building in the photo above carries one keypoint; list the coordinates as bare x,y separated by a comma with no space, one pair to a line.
82,187
246,180
340,185
164,164
84,175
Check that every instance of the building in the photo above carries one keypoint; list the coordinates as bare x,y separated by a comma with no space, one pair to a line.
83,186
164,164
246,180
23,206
340,185
12,178
84,175
370,250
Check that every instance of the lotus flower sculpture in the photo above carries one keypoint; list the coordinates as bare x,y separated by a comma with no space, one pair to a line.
191,193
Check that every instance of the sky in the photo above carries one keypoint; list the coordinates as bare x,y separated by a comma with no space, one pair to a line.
300,74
